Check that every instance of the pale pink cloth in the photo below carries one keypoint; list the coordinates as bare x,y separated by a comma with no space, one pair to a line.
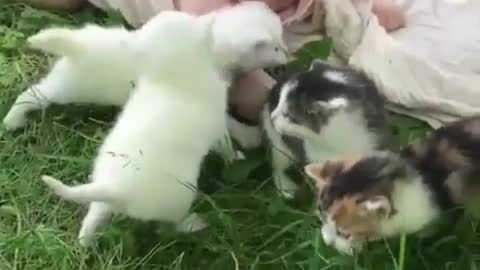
303,20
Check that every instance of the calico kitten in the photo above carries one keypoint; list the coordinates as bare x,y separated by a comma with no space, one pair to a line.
318,114
385,194
148,165
95,65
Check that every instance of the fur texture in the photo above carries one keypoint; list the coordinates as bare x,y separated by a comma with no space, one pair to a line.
319,114
385,194
147,167
96,66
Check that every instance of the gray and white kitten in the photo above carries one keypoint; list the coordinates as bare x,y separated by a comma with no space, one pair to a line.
318,114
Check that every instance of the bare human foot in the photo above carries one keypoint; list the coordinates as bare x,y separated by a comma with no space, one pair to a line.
60,5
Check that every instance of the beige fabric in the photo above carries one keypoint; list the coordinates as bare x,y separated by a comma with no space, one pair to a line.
430,69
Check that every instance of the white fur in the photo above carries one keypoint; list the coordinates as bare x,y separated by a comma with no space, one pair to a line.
414,205
338,102
329,234
247,136
99,70
147,167
336,76
251,37
96,67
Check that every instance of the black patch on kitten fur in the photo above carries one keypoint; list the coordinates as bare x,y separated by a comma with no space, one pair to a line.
435,167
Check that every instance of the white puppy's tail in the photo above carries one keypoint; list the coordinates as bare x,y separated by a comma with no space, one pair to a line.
57,41
86,193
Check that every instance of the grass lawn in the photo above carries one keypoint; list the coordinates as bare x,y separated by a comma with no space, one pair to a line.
251,227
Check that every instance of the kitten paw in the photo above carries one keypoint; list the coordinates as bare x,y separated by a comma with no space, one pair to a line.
286,188
284,127
192,223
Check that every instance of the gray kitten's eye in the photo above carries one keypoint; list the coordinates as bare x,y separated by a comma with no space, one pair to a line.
313,110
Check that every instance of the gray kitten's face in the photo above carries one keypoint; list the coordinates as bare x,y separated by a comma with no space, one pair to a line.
308,100
297,110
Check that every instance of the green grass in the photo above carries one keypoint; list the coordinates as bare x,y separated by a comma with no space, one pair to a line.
251,228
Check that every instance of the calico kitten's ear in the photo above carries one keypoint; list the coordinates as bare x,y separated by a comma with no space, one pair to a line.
379,206
322,173
393,167
315,171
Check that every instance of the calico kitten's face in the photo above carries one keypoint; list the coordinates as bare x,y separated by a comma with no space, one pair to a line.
307,100
354,198
249,36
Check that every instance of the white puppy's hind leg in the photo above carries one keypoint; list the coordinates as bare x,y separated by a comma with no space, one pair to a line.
61,86
30,100
98,214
